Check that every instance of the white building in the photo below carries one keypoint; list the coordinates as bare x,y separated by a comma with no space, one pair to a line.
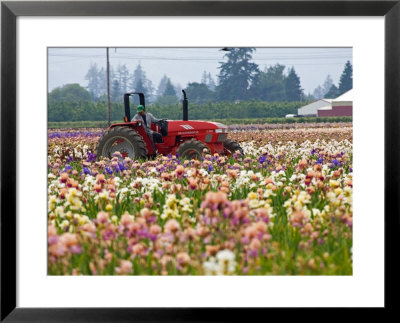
345,98
311,110
340,107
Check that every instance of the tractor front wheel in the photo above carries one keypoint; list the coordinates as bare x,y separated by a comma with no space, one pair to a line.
232,146
192,149
123,139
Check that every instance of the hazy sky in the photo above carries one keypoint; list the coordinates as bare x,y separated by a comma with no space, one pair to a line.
183,65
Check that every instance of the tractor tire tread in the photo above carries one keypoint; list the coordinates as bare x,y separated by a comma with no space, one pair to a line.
133,136
233,146
191,144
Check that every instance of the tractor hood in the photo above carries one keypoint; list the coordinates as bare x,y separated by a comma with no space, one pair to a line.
191,127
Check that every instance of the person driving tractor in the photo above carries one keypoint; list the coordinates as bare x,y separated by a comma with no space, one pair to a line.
148,119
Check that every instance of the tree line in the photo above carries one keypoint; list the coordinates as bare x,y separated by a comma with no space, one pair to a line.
97,111
239,81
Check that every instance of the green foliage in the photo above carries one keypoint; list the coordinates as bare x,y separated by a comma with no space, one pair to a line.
332,93
103,124
140,83
255,111
284,120
70,102
236,74
331,90
273,85
83,111
223,110
140,86
116,94
199,93
69,93
168,107
346,79
94,81
169,89
208,81
123,77
166,100
293,89
269,85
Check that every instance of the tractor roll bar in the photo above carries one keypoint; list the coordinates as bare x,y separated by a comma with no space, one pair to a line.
185,113
127,117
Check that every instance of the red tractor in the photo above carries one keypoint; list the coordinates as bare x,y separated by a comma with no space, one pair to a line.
184,137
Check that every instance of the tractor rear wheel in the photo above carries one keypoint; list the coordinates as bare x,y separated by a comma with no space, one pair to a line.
123,139
232,146
192,149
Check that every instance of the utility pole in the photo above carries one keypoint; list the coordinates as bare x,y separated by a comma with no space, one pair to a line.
108,88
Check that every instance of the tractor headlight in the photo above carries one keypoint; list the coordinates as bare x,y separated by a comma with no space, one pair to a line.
220,130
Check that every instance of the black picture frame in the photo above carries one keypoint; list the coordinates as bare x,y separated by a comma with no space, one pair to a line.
10,10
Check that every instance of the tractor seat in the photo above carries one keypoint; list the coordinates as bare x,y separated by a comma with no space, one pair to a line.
157,138
164,127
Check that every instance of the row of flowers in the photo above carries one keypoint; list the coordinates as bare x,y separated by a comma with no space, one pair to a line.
282,208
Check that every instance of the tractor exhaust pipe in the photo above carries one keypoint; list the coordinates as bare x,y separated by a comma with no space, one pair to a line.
185,107
127,117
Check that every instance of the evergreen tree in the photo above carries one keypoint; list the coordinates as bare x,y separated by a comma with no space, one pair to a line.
346,79
319,92
150,96
332,93
116,93
140,83
162,85
210,82
94,81
103,81
327,84
169,89
139,86
123,77
178,89
236,74
293,88
269,85
199,93
204,78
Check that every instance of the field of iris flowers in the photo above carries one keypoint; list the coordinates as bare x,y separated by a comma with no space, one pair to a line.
284,208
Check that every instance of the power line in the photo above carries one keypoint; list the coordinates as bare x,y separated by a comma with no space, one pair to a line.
212,60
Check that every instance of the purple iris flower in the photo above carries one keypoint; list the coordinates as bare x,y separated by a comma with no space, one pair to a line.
121,166
319,161
262,159
86,171
91,157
